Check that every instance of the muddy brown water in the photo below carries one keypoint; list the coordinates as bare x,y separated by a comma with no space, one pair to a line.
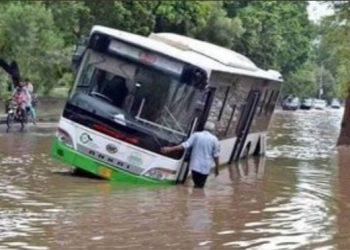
297,197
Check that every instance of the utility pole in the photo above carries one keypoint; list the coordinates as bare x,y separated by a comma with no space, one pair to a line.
320,91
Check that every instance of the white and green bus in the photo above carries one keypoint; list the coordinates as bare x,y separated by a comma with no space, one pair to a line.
134,94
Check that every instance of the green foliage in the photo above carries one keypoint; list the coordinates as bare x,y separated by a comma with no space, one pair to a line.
232,7
262,38
273,34
4,84
182,17
296,36
334,47
132,16
276,35
33,41
302,83
230,28
72,18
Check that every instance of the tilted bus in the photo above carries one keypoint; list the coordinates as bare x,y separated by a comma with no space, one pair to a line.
134,94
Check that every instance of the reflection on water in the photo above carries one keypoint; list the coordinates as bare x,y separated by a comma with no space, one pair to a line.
248,169
297,197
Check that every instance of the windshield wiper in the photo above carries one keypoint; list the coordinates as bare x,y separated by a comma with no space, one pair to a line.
136,126
174,119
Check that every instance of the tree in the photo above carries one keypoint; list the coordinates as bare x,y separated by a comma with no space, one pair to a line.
72,19
338,37
301,83
33,41
181,17
275,35
297,35
42,43
219,28
124,15
261,39
332,52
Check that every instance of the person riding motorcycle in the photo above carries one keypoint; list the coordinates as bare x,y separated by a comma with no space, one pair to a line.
21,97
32,106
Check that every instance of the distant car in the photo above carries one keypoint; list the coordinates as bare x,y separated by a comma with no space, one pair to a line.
335,104
291,103
306,104
319,104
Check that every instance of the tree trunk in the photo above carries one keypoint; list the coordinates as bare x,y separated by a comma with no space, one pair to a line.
344,137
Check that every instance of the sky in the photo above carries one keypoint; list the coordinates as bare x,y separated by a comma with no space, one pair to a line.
317,9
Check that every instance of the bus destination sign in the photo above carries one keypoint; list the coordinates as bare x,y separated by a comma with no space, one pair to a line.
155,60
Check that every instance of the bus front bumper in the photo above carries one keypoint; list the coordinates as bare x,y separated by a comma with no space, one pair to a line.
71,157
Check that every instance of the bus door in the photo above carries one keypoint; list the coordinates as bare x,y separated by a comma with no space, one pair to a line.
197,124
245,123
183,172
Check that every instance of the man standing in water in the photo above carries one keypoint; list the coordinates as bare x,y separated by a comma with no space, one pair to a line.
30,106
205,150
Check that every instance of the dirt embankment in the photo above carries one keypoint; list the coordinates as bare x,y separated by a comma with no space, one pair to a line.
48,109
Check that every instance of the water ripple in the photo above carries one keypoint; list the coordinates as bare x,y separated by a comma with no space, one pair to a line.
295,198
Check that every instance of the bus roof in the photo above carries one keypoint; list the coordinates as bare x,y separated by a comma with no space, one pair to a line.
205,55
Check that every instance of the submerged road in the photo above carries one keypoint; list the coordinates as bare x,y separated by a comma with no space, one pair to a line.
40,127
297,197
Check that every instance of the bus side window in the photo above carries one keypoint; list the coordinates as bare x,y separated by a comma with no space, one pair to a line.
234,106
231,119
217,104
217,113
224,102
267,105
223,108
262,103
273,102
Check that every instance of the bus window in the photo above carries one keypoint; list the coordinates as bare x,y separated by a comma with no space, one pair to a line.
217,104
113,87
222,109
274,100
262,103
231,119
267,105
137,97
223,103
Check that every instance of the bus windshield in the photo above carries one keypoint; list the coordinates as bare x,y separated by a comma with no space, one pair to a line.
136,96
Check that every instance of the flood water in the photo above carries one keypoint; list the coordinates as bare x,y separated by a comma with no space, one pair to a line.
297,197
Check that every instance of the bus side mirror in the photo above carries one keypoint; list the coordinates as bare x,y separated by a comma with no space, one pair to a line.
194,76
99,42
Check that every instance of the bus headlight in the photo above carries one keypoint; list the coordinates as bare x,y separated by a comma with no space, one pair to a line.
64,137
160,173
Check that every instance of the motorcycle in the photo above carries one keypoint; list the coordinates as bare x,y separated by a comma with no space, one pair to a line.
16,114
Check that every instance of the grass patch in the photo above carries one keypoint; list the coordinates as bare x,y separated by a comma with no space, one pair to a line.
59,92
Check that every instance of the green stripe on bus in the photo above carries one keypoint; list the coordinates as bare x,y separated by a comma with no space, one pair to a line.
71,157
